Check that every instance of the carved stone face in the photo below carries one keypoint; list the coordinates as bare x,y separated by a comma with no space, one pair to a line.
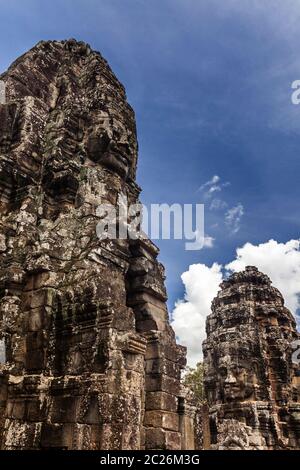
237,383
108,144
236,379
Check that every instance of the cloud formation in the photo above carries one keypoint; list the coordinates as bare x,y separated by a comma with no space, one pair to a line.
217,204
214,180
213,186
208,242
189,315
280,261
233,218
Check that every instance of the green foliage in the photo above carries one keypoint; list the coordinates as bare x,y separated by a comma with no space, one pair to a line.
193,380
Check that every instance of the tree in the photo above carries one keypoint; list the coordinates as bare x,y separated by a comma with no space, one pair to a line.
193,380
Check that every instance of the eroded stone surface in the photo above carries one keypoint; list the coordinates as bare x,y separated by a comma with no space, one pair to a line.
251,382
91,361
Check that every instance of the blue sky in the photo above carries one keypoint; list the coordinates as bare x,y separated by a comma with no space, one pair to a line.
210,82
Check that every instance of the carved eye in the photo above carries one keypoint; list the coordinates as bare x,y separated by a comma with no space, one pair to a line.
223,371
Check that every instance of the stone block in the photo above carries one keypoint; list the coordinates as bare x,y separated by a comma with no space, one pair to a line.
162,419
159,439
161,401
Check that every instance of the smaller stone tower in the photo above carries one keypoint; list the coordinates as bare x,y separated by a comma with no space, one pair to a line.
251,381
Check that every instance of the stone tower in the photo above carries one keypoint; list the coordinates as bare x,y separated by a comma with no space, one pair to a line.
88,358
251,382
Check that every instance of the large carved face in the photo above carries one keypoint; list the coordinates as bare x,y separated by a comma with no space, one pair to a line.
111,144
232,371
72,123
102,140
237,379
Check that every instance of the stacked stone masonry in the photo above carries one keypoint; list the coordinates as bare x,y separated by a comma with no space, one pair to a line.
252,383
88,357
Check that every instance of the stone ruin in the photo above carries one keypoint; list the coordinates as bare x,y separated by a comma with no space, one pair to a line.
88,357
252,384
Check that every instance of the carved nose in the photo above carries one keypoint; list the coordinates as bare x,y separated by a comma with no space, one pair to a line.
230,379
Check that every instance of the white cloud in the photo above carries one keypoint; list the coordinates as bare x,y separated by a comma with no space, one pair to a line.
213,189
189,315
208,242
212,186
201,241
215,179
233,218
280,261
217,204
209,191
